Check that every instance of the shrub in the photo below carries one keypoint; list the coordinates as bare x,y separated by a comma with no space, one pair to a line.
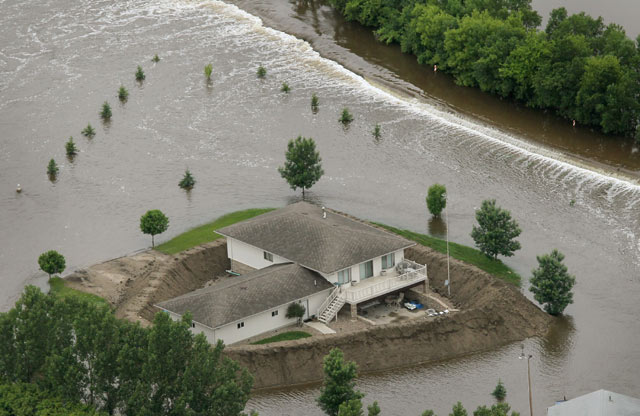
140,74
436,199
89,131
187,181
262,72
51,262
123,94
70,147
285,88
155,58
296,310
52,168
106,111
208,69
346,116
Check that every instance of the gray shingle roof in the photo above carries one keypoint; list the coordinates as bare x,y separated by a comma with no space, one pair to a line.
299,234
233,298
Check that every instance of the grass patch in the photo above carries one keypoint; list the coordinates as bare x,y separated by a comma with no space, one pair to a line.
60,289
464,253
205,233
285,336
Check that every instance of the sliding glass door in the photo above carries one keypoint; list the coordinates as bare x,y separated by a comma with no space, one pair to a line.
366,270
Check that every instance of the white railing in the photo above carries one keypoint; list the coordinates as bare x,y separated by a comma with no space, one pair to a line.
327,301
415,274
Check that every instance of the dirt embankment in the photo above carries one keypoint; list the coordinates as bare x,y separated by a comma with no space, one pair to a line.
493,313
133,284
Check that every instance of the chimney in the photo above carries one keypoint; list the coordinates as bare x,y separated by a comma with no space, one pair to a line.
324,213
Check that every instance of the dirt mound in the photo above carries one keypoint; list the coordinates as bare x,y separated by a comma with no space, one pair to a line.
133,284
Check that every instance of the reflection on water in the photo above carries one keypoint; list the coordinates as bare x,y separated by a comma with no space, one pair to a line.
437,227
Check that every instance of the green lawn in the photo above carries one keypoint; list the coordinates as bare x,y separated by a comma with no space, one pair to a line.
285,336
460,252
61,290
204,233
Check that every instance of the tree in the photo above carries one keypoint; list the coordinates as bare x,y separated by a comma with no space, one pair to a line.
373,409
428,413
188,181
436,199
500,392
458,410
70,148
262,72
123,94
351,408
285,88
51,262
296,310
376,132
89,131
106,111
154,222
208,69
303,166
314,102
551,284
140,74
500,409
52,169
345,117
155,58
339,382
496,230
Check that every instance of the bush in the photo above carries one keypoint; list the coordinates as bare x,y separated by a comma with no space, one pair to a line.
123,94
70,147
106,111
436,199
51,262
52,169
500,392
296,310
208,69
188,181
346,116
140,74
262,72
89,131
551,283
155,58
285,88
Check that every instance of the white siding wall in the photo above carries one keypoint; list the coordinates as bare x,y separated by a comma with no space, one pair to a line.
256,324
250,255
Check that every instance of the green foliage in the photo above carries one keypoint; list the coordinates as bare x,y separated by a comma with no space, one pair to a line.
345,117
208,69
262,72
578,67
52,169
500,392
154,222
24,399
315,102
155,58
500,409
351,408
373,409
80,353
205,233
123,94
296,310
59,288
496,230
302,167
458,410
140,74
377,132
51,262
188,181
285,336
551,283
339,382
428,413
467,254
70,147
436,199
89,131
285,88
105,113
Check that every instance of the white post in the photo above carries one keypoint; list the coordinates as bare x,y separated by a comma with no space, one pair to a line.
446,214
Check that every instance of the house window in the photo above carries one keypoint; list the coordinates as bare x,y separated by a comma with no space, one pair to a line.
366,269
268,256
344,276
274,313
240,325
388,261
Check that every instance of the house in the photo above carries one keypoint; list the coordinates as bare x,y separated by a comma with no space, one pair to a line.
299,253
597,403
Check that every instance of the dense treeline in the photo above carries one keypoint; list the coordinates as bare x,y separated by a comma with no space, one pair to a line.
577,67
81,353
25,399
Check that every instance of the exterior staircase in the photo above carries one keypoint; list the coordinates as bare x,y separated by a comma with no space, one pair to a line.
330,308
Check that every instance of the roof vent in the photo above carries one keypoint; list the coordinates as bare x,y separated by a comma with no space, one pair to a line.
324,213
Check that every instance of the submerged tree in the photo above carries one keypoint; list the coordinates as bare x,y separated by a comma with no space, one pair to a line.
123,94
52,169
377,132
500,392
302,167
351,408
345,117
208,69
188,181
285,88
70,148
339,382
155,58
154,222
52,262
436,199
496,230
262,72
106,111
140,74
315,102
89,131
551,283
373,409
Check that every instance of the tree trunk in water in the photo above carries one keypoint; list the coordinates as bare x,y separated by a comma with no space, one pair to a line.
153,244
302,193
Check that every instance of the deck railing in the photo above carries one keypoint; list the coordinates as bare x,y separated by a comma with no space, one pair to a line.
416,273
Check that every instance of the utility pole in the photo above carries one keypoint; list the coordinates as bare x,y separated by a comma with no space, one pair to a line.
528,357
446,214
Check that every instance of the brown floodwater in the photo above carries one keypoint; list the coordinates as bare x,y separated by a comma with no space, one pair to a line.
60,59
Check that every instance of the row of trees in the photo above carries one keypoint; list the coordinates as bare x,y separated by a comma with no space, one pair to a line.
80,352
496,234
577,67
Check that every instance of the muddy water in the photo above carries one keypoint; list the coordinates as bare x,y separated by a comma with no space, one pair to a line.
61,59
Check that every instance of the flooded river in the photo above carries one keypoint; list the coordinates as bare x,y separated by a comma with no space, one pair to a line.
60,59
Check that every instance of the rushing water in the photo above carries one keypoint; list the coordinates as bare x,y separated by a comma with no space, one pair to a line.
61,59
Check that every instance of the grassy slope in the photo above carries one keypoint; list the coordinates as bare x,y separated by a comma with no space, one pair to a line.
285,336
460,252
60,289
204,233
